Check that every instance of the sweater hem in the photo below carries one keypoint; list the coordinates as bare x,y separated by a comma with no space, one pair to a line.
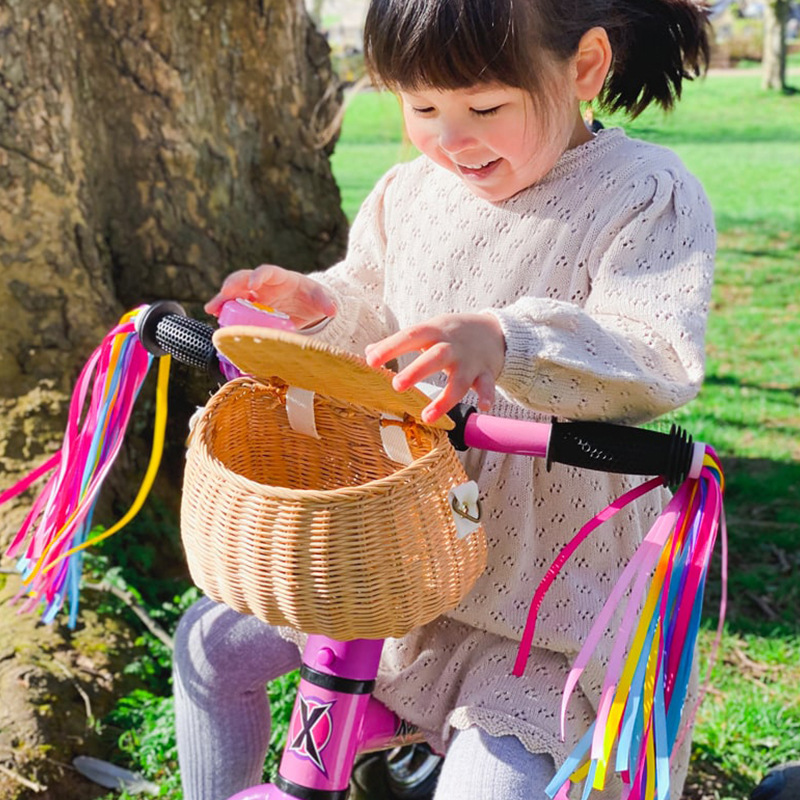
535,741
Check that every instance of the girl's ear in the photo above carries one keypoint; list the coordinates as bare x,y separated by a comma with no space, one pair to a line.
592,62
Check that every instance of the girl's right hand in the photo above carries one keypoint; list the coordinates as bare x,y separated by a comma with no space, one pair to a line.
304,300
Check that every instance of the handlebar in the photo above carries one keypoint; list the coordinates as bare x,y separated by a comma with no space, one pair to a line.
165,328
599,446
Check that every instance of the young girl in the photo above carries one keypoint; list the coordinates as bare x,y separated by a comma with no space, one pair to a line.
544,271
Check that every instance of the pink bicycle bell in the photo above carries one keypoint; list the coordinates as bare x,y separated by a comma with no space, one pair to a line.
248,312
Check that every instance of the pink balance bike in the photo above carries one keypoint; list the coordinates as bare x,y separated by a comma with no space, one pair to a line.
313,498
335,717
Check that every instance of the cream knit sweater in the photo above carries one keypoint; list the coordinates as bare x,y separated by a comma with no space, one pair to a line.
600,276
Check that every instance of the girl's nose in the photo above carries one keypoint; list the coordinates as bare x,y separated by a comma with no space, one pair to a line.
455,138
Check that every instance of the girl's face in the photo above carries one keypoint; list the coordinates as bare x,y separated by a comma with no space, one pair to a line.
491,135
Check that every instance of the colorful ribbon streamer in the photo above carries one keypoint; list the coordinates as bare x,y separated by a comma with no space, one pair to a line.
55,532
647,678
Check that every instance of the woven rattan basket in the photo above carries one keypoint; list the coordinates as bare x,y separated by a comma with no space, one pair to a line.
327,535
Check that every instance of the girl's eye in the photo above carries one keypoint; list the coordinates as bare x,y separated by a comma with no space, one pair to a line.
486,112
423,111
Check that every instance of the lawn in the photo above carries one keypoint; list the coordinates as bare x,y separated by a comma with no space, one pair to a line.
744,145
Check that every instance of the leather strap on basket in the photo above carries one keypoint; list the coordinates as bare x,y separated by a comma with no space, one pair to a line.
300,411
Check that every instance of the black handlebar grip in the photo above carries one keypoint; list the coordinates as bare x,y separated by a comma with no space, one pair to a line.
618,448
164,328
460,413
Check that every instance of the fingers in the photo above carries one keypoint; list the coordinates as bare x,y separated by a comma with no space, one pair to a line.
456,387
466,348
484,387
452,393
302,298
269,283
319,300
235,285
409,340
427,363
460,379
264,276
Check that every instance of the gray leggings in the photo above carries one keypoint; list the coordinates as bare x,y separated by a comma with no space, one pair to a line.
223,660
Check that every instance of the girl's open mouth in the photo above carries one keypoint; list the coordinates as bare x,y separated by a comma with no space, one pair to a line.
478,171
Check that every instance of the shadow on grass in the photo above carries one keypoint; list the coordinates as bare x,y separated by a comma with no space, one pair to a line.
762,501
735,382
709,779
788,255
672,137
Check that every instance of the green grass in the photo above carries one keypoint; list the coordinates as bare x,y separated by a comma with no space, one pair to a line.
370,143
744,145
741,142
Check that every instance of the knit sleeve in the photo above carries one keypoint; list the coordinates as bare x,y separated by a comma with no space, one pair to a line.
357,282
635,349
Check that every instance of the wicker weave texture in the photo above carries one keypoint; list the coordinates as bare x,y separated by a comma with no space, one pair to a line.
325,535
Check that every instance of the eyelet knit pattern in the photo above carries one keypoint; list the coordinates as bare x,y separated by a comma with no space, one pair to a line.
600,277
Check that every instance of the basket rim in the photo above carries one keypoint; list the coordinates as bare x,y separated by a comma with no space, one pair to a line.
441,445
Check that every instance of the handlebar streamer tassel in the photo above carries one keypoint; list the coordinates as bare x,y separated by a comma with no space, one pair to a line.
57,528
647,680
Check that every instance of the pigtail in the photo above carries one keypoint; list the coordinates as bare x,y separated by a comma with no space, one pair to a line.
657,45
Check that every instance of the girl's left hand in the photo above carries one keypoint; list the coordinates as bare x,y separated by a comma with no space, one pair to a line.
468,348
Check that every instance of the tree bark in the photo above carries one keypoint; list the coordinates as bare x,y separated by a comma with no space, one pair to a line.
147,148
776,17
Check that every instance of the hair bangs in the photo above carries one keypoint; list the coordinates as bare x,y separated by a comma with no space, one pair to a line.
443,44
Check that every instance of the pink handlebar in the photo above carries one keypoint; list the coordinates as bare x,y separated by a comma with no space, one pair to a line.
522,437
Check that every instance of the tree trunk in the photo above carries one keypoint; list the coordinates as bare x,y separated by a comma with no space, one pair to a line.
147,149
776,17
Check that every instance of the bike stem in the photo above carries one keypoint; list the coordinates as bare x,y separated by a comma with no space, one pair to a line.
334,719
336,683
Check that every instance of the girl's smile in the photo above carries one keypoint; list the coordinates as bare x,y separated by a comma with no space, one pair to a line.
480,171
491,135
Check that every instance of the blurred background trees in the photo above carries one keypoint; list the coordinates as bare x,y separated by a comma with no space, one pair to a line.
753,32
776,20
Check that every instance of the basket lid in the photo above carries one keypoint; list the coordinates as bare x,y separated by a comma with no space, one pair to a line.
314,365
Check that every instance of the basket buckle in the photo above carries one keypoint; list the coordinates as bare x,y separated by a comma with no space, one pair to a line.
466,507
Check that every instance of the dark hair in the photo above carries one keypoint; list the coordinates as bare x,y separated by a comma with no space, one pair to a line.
453,44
